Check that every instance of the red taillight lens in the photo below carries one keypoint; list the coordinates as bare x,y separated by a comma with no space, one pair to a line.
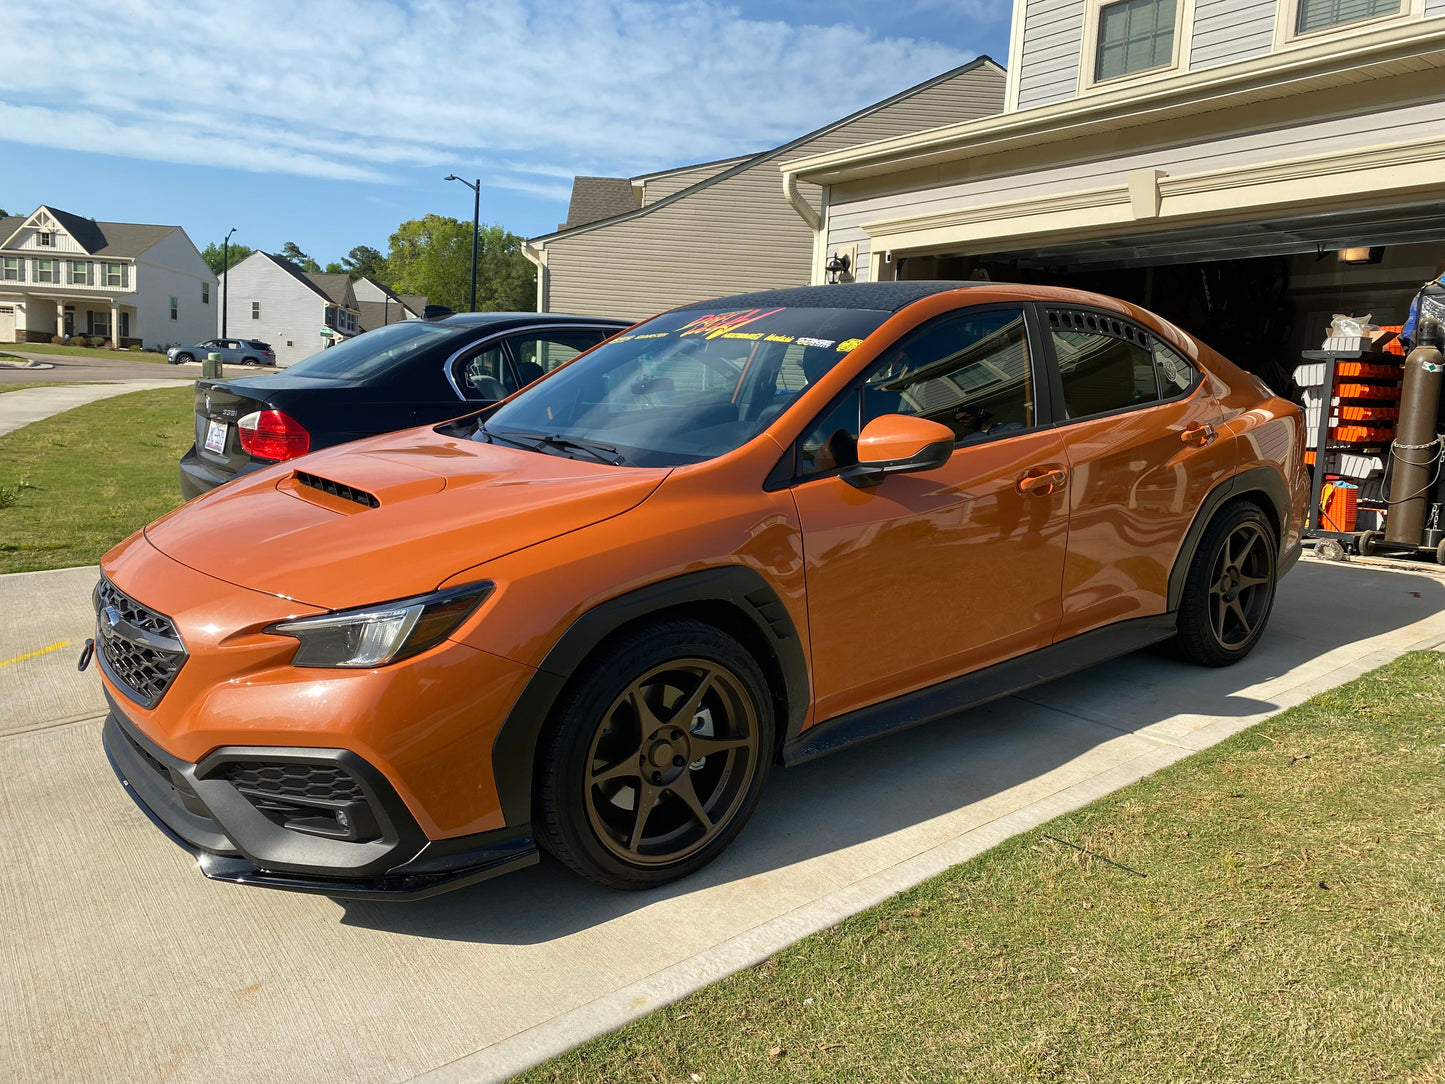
273,434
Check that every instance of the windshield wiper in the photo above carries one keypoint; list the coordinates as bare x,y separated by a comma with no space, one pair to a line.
536,442
595,448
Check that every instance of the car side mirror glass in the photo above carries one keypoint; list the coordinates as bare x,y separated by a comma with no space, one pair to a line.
898,444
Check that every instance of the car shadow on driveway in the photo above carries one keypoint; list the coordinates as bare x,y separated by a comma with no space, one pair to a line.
822,809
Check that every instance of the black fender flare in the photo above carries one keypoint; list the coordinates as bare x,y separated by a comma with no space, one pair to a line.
1266,482
755,610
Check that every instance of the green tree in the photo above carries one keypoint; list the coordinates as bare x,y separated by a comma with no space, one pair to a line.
433,256
214,255
334,268
292,251
365,262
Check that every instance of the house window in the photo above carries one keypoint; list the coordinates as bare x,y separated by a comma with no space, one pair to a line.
205,293
1136,35
79,273
175,304
1321,14
255,310
45,271
45,239
97,323
13,269
115,274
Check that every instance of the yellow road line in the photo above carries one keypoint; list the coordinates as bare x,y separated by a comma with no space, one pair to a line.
36,654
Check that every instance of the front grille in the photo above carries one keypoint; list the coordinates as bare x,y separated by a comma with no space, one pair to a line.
142,649
316,782
336,489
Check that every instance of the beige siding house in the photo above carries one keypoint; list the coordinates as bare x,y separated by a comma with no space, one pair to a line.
726,226
136,285
1218,161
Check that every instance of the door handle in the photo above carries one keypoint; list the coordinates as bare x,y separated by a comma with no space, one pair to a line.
1042,480
1194,433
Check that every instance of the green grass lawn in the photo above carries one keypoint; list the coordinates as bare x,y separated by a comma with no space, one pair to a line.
1289,927
74,485
88,352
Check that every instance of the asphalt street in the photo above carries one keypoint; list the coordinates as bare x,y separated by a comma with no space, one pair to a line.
77,368
120,962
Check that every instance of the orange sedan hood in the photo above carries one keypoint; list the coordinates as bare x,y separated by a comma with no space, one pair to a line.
391,516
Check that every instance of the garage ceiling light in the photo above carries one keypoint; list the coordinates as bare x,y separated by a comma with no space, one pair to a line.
1362,255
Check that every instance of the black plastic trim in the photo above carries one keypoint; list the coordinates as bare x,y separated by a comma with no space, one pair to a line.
1002,679
409,867
1265,481
741,588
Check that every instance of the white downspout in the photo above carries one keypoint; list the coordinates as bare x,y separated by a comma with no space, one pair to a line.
538,256
812,219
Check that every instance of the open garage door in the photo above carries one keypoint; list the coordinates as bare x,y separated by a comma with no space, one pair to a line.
1259,292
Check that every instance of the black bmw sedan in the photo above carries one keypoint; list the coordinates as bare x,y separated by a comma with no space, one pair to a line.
402,375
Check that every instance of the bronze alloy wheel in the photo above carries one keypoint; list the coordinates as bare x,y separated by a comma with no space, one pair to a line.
1229,589
671,762
1242,586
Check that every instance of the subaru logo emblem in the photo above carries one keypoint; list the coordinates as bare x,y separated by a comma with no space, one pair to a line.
109,618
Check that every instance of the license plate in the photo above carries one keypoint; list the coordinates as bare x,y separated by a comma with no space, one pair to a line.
216,437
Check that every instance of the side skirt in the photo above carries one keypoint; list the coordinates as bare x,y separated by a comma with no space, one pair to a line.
970,690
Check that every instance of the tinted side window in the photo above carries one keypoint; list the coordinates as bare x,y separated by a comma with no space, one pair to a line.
1105,364
484,375
1176,375
969,371
536,354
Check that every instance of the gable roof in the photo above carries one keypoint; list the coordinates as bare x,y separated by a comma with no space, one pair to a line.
96,238
292,270
596,198
748,163
333,287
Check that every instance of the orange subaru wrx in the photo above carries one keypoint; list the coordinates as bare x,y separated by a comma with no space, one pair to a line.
747,532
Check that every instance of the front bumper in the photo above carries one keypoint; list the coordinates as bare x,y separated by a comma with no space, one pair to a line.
236,835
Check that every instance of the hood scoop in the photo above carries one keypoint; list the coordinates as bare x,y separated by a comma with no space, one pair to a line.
338,489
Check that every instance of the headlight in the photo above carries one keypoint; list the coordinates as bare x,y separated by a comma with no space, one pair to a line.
384,633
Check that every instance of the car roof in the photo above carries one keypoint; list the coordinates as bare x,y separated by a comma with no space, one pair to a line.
506,319
878,296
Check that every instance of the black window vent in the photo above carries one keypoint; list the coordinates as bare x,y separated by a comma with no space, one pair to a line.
1096,324
336,489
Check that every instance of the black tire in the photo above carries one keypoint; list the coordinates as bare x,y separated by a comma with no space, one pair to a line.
1365,543
250,361
181,359
1229,591
584,815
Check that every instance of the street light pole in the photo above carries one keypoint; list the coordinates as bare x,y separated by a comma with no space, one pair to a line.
225,282
476,228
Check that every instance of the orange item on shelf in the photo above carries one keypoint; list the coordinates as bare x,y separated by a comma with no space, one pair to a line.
1394,346
1361,434
1367,391
1310,456
1368,370
1369,413
1337,506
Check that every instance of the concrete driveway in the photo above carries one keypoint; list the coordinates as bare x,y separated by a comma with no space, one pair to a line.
120,962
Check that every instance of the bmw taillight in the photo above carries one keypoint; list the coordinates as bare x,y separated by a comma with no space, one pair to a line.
273,434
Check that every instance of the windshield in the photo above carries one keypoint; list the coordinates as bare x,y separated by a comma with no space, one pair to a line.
374,351
686,386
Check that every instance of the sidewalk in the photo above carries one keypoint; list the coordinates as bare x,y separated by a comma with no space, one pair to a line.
19,408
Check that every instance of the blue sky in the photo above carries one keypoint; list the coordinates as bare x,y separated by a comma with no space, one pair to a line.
328,122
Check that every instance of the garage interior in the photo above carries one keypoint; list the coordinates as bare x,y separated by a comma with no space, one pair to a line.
1262,293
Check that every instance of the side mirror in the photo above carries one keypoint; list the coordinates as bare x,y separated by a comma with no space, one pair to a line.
898,444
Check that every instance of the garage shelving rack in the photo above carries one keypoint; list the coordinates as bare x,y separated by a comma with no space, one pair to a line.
1332,544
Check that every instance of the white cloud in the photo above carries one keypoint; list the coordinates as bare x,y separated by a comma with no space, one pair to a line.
359,89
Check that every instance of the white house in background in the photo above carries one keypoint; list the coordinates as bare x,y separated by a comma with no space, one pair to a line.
139,285
297,312
380,306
